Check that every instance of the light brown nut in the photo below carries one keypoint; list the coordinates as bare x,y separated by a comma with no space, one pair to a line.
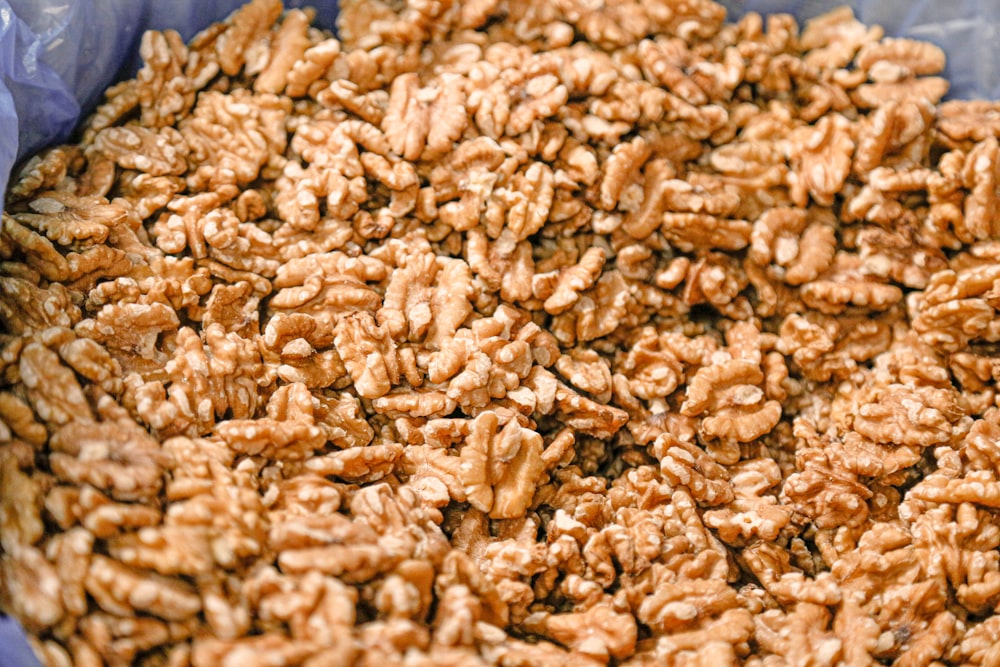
802,252
737,408
42,172
165,90
19,508
52,390
833,38
928,88
597,632
289,45
31,588
674,606
830,498
360,464
573,280
918,58
824,160
500,466
586,371
978,487
684,464
244,27
253,127
119,590
929,416
753,514
155,153
824,346
24,307
833,297
507,320
369,354
169,550
966,120
259,650
625,160
121,99
314,62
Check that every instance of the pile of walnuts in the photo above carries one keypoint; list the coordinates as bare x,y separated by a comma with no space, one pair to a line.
508,333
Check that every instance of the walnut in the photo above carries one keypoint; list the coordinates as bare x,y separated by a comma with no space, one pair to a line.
894,134
967,120
737,408
571,281
829,497
811,638
845,289
587,371
120,591
752,165
288,432
833,39
121,98
597,632
31,588
250,126
978,487
979,642
470,177
895,255
823,155
823,346
979,176
22,521
951,311
155,153
325,285
930,414
25,307
928,88
652,365
43,172
799,252
205,379
96,512
656,339
51,388
115,455
913,57
732,627
692,231
169,78
684,464
499,467
752,513
64,218
368,353
289,45
244,27
259,650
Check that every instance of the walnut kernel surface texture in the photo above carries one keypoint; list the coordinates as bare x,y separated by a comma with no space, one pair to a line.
508,333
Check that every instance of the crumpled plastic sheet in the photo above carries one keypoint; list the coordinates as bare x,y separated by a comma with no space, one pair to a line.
58,56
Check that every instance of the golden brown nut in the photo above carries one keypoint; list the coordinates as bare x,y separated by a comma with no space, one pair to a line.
648,338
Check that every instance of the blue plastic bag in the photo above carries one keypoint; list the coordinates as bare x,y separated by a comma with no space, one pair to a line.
58,56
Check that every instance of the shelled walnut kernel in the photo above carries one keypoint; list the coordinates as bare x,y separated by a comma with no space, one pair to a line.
506,332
